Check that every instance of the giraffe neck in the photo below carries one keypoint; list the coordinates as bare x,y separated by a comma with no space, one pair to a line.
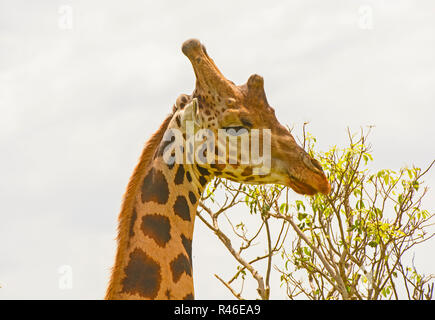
154,258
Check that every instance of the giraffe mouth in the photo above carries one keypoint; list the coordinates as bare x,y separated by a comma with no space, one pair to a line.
302,177
301,187
305,174
319,183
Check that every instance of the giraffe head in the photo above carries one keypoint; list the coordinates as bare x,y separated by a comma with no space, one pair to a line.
154,257
221,111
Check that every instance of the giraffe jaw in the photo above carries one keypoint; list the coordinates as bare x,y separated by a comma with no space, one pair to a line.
303,178
303,188
316,182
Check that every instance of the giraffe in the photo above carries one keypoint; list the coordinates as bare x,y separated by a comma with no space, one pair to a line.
154,254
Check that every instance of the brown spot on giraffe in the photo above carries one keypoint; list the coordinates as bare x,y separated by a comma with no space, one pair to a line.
155,187
247,171
177,119
157,227
142,275
229,173
179,266
132,222
188,176
187,244
179,176
181,101
192,198
189,297
164,144
181,208
203,181
203,171
218,166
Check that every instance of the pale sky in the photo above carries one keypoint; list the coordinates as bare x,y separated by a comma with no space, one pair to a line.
83,84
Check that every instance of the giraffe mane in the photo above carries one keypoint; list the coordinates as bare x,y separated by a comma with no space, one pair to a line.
129,198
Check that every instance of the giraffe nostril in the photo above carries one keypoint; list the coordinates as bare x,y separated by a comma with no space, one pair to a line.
311,163
316,164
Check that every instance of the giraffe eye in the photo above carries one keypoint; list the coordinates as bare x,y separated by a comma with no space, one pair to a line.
235,131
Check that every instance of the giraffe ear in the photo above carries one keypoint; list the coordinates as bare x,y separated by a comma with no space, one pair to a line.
191,113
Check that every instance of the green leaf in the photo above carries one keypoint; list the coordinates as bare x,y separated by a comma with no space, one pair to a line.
307,251
283,208
410,175
357,193
378,212
400,198
299,205
301,216
373,244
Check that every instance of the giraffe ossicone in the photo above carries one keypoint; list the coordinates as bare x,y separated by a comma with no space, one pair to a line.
220,130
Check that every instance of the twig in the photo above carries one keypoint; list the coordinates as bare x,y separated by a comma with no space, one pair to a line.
237,295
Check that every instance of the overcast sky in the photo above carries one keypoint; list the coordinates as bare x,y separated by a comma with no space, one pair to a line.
83,84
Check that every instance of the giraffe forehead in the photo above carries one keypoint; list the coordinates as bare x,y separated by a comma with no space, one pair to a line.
214,108
225,108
